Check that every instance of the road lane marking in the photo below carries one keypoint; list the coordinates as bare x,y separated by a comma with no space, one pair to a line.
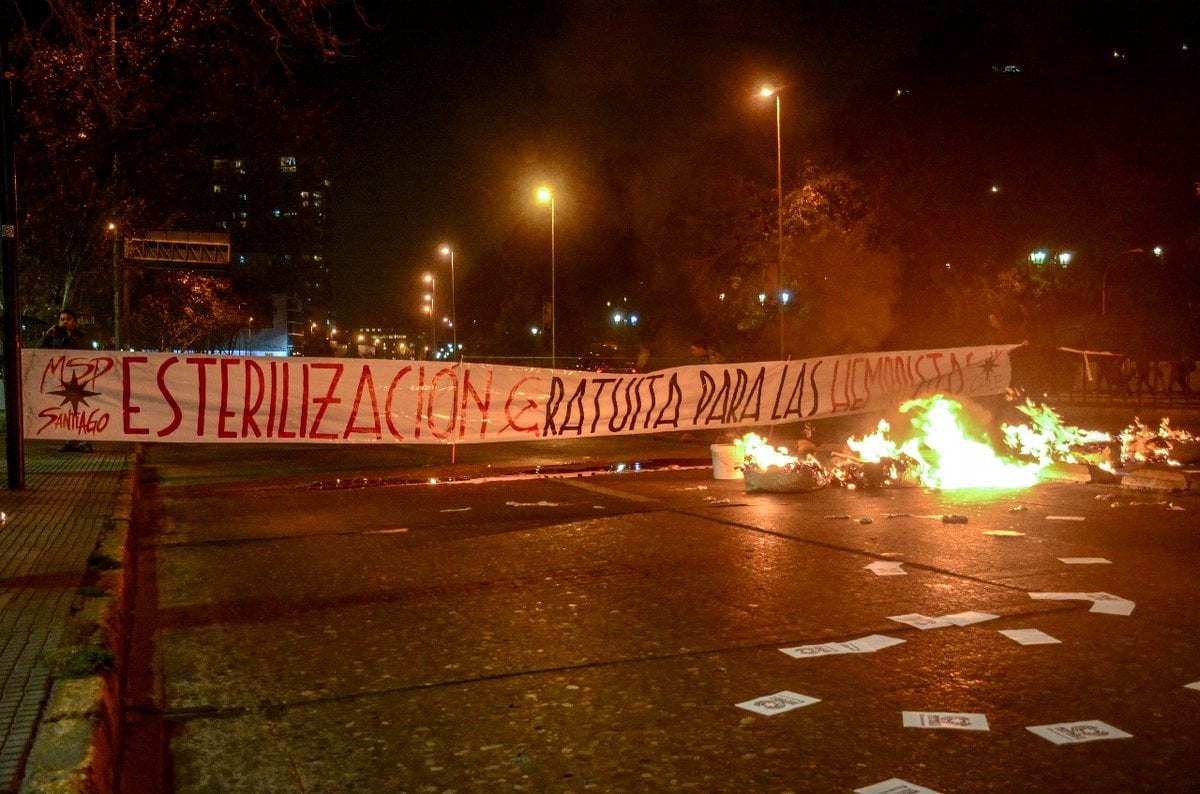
600,489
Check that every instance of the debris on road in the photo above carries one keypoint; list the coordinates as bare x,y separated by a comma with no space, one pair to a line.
1030,637
958,721
882,568
868,644
1078,732
777,703
894,785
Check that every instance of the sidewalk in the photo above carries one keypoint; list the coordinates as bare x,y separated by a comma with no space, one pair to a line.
54,525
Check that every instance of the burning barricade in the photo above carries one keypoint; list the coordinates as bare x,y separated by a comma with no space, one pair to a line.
768,468
943,450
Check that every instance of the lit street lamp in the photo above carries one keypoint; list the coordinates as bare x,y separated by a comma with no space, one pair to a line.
768,91
546,196
429,306
448,251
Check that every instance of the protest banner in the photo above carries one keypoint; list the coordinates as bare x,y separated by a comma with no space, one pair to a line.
195,397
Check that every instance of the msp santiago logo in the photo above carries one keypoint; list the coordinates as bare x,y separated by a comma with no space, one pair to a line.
72,380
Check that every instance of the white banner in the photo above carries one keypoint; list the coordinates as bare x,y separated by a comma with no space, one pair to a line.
189,397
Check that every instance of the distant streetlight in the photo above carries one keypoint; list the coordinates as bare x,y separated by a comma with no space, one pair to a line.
769,91
448,251
546,196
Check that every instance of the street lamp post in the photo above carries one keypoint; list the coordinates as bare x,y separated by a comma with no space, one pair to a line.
116,266
430,297
448,251
546,196
767,91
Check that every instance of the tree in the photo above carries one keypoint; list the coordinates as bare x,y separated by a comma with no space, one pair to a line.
117,103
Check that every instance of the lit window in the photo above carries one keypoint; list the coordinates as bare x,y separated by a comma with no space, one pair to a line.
219,164
287,165
304,194
218,189
278,212
242,196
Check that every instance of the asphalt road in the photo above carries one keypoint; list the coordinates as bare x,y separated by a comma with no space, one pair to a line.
327,620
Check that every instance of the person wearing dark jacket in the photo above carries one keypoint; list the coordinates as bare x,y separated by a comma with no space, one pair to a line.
67,336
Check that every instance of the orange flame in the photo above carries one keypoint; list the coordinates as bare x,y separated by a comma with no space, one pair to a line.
945,455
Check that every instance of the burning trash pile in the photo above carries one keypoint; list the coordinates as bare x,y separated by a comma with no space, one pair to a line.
768,468
940,451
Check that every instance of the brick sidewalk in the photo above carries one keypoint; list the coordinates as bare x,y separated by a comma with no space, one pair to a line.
52,527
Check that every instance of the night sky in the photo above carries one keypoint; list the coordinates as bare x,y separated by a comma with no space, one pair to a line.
453,112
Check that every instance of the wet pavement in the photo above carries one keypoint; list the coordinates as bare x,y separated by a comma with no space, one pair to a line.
51,529
315,620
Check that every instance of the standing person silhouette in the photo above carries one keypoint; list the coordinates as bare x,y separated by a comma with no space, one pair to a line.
65,335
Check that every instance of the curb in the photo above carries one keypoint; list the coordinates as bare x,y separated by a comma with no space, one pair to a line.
76,747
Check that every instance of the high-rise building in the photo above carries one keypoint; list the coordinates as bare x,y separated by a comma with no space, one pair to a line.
274,210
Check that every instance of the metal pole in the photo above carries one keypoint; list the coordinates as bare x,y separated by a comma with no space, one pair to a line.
553,306
116,265
14,431
453,307
779,192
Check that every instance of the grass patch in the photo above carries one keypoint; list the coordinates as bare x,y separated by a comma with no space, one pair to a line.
80,661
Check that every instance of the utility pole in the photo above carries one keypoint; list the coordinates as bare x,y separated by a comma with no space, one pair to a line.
14,438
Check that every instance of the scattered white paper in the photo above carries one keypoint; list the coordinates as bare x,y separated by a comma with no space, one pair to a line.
1109,604
454,510
1030,637
1194,685
944,719
1004,533
809,651
885,568
542,503
1059,596
778,703
1064,518
1085,561
874,642
969,617
1105,603
868,644
894,785
1078,732
921,621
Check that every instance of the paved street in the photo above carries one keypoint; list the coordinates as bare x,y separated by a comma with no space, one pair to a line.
317,619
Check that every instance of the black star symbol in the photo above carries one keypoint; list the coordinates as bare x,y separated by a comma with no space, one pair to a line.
989,365
73,393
